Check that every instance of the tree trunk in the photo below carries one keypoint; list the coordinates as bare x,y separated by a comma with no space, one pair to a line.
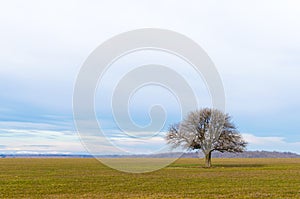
208,159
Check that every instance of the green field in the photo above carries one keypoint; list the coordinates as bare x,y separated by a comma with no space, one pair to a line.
186,178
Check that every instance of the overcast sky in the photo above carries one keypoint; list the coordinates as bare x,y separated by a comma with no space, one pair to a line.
255,46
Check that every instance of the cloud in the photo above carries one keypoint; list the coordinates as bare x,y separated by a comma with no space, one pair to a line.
39,145
264,46
40,141
26,125
270,143
252,139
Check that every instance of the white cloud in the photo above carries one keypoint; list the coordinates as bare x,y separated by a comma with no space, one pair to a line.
252,139
263,46
30,125
270,143
40,141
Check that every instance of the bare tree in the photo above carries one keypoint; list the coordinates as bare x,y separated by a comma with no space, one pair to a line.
209,130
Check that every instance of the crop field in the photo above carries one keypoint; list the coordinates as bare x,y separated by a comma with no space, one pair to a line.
185,178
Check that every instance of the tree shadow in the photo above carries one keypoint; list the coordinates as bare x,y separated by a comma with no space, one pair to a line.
237,165
217,165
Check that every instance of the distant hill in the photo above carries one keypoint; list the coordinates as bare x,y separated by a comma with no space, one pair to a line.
246,154
255,154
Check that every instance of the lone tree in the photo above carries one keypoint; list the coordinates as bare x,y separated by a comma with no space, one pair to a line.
209,130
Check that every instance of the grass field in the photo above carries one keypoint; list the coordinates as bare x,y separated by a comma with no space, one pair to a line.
87,178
